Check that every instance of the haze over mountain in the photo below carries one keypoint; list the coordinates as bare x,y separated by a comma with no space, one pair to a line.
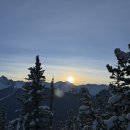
63,86
10,90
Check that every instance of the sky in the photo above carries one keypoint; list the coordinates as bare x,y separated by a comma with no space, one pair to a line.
72,37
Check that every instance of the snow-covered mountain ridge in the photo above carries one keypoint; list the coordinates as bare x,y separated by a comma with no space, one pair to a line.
64,86
5,82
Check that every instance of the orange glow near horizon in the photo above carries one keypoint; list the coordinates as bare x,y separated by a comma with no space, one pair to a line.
63,74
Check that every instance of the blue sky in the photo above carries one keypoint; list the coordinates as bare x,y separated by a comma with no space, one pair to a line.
72,37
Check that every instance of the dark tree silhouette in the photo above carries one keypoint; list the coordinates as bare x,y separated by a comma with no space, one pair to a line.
34,116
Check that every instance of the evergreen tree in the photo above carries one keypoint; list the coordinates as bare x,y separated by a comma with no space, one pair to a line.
34,116
88,117
51,102
101,105
119,102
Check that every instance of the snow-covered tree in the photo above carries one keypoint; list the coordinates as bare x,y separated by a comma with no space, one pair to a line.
120,88
86,115
101,104
34,116
89,119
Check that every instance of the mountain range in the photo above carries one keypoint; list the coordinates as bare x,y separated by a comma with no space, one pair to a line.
63,86
10,90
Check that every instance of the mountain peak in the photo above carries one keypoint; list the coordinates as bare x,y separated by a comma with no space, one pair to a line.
64,86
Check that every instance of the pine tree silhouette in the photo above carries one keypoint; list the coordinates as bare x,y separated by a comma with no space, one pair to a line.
34,115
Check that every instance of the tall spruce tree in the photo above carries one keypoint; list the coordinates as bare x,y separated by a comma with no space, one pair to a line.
34,116
119,102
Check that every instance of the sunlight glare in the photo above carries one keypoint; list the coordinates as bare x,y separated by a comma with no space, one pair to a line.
70,79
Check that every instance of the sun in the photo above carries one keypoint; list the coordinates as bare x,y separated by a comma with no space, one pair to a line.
70,79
